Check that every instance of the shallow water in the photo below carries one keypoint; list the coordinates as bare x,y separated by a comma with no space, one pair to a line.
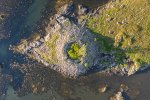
87,90
35,10
22,23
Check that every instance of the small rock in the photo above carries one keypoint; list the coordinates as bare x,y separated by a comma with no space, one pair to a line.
103,88
43,89
123,88
117,96
82,10
121,94
2,16
122,6
109,19
111,32
34,90
119,23
70,8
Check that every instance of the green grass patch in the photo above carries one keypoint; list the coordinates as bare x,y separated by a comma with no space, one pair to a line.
123,29
76,51
50,56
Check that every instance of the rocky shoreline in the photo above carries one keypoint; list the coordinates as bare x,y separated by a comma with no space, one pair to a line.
65,28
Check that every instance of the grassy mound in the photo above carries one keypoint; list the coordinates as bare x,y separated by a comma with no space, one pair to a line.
123,27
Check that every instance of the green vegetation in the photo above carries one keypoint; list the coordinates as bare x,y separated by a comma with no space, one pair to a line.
76,51
123,29
49,53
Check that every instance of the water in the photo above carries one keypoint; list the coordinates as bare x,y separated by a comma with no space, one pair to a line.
24,20
34,12
44,96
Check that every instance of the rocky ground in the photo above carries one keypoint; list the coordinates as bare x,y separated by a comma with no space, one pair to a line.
72,49
64,29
